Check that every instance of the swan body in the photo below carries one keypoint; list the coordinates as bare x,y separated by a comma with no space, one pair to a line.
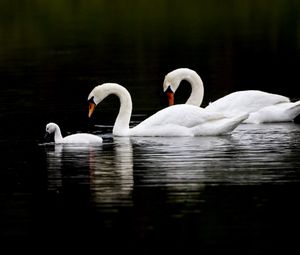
282,112
75,138
177,120
261,106
249,101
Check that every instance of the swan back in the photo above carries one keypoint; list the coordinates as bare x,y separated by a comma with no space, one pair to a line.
82,138
246,101
282,112
187,120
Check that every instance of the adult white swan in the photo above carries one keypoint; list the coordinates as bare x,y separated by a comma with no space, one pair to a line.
75,138
177,120
261,106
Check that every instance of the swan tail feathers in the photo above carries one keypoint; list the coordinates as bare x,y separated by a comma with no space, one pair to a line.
220,127
294,111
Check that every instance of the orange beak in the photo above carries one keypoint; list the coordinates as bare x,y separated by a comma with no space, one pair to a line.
170,95
92,107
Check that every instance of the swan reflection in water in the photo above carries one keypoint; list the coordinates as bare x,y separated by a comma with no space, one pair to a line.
252,154
105,170
181,166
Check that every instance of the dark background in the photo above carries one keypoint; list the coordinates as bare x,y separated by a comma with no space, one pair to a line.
52,53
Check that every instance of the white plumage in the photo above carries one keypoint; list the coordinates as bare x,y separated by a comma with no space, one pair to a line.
261,106
177,120
75,138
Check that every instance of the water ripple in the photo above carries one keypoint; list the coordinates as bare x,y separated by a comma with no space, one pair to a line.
184,166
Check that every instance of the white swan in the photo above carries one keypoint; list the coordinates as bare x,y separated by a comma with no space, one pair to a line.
261,106
177,120
75,138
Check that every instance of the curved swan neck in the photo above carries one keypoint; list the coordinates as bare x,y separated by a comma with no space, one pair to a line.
174,78
57,134
197,93
121,126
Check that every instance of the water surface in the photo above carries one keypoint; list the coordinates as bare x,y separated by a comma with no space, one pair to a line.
236,193
206,193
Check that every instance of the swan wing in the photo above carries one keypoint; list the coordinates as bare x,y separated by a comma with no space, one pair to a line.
219,126
282,112
186,120
246,101
82,138
182,115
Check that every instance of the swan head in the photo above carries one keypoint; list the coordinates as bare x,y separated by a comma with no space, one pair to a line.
92,105
94,98
100,92
173,79
51,127
171,83
170,95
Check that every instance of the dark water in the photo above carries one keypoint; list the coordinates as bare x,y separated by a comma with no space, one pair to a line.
236,193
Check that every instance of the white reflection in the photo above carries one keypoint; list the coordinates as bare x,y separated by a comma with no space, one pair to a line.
178,164
54,166
111,175
105,170
182,166
253,154
69,162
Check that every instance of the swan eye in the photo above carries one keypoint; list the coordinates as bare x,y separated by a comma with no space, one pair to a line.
91,100
169,89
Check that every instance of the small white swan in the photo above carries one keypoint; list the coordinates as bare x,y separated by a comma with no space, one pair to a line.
177,120
261,106
75,138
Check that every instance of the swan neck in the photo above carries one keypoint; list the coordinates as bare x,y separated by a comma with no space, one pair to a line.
121,126
57,135
197,92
